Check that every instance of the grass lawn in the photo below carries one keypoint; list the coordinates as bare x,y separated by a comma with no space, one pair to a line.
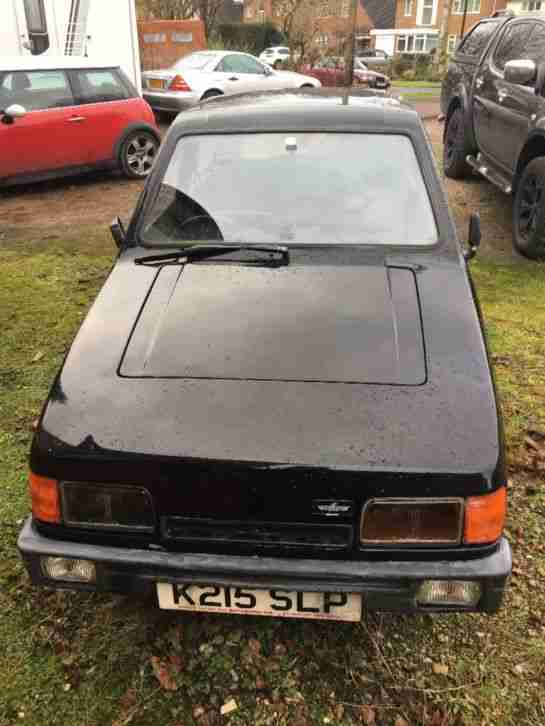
417,84
79,660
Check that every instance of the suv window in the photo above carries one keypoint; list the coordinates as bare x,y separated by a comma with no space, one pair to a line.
512,45
535,47
240,64
36,90
99,86
476,40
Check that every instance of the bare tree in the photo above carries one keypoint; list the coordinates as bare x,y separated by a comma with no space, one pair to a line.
207,10
165,9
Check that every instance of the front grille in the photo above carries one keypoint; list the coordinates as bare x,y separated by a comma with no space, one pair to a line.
258,535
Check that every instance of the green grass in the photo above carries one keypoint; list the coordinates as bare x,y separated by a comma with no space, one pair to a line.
84,660
417,84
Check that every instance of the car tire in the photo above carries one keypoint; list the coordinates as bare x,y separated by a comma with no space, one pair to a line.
529,211
138,153
307,85
210,94
454,147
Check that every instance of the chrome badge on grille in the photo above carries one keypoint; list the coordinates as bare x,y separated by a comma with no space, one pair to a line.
332,507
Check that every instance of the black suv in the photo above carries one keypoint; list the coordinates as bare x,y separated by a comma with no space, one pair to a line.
493,101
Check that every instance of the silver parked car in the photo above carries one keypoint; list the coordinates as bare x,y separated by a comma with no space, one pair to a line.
205,74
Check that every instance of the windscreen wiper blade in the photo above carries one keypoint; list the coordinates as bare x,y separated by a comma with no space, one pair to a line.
195,253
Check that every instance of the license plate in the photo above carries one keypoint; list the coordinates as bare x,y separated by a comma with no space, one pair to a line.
156,83
244,601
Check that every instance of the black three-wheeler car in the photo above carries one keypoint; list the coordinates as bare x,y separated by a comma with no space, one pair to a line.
281,401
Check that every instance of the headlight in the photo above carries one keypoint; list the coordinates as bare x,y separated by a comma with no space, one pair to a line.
107,506
412,522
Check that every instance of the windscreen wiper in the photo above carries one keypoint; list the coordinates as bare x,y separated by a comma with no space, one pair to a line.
195,253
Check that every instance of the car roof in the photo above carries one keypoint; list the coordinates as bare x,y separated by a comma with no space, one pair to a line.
329,109
51,62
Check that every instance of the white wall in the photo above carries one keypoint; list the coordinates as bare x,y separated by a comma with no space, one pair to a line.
385,43
9,31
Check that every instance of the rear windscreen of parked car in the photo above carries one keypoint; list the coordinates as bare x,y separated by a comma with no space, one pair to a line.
303,188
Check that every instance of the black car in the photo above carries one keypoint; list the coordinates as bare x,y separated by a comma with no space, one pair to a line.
281,401
493,100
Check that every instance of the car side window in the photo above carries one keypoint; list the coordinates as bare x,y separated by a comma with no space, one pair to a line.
37,90
476,40
535,46
512,45
99,86
247,64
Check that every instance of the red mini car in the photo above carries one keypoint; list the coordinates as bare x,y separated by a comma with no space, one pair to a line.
62,116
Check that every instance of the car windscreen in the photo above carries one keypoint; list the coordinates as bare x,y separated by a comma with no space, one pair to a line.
298,188
195,61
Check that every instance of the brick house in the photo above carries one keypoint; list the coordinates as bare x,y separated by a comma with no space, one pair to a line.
330,19
418,23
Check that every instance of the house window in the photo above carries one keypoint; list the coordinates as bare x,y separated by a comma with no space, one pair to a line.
155,38
427,12
345,6
408,8
533,6
419,43
473,7
322,39
451,44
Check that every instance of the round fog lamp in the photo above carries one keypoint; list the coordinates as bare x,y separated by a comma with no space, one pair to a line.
449,592
68,569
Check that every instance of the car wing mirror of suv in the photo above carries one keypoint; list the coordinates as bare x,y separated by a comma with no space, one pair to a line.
520,72
13,112
474,237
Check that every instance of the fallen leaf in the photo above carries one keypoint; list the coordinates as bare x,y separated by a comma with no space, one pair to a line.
161,672
440,669
368,715
400,721
260,684
228,707
519,670
39,355
339,711
198,711
255,646
176,662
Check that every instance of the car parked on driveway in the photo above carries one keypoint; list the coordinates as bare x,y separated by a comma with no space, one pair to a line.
62,116
372,56
330,71
205,74
273,407
493,99
275,56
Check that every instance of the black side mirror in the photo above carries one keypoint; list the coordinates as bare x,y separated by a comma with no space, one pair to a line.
118,232
474,237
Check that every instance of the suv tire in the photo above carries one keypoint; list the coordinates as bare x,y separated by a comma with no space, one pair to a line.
529,211
454,148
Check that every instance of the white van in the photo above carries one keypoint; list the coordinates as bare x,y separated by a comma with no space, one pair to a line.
88,28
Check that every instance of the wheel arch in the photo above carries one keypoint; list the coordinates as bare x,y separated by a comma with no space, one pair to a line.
130,129
211,90
460,101
532,149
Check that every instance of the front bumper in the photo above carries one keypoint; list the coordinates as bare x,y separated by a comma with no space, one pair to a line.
385,585
171,102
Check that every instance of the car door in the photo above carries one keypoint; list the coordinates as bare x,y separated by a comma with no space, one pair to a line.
47,138
519,104
241,73
494,121
104,110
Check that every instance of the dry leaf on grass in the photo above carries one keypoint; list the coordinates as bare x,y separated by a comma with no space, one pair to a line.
228,707
163,675
440,669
